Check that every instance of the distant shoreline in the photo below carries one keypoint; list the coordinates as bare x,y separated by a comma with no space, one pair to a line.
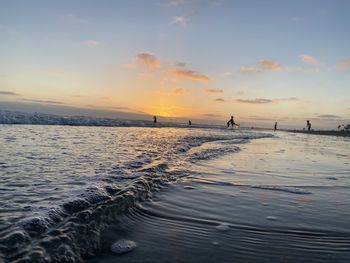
321,132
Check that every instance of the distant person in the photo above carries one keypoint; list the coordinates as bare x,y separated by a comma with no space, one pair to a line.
308,125
189,122
275,127
155,119
231,122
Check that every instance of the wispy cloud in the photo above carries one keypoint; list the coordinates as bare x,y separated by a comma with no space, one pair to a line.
148,60
288,99
190,74
245,69
175,92
270,65
181,20
8,93
210,115
43,101
254,101
214,90
257,100
345,64
329,116
90,43
71,19
309,59
180,91
180,64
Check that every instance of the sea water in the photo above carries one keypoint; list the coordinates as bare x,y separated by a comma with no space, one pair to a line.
181,194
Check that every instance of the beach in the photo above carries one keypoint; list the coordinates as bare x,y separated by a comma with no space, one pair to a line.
181,194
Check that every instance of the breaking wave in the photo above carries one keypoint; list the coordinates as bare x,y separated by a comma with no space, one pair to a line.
67,228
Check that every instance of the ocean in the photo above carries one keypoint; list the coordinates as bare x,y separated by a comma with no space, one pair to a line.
180,194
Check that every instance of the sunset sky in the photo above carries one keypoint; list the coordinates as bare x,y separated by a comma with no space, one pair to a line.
260,61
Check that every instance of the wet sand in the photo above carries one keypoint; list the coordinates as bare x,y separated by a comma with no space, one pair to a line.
320,132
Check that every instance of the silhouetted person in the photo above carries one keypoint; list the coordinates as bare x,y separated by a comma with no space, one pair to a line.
155,119
231,122
189,122
308,125
275,128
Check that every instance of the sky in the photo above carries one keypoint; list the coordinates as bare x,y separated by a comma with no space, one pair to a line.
261,61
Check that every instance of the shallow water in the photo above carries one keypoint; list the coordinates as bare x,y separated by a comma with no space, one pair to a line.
62,185
281,199
185,195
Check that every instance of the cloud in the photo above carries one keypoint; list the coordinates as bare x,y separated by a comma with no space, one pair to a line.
254,101
345,64
180,64
257,100
309,59
245,69
8,93
210,115
329,116
90,43
270,65
214,90
71,19
288,99
190,74
148,60
181,20
180,91
175,92
43,101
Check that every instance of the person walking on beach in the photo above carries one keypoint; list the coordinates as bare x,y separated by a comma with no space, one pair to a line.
308,125
275,128
155,119
231,122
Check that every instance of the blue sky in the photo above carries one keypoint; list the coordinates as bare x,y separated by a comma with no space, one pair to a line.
259,60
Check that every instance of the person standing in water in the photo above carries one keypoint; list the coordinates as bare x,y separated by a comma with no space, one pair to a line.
155,119
275,128
308,125
189,122
231,122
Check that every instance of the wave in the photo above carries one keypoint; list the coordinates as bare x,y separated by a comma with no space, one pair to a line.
70,230
11,117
